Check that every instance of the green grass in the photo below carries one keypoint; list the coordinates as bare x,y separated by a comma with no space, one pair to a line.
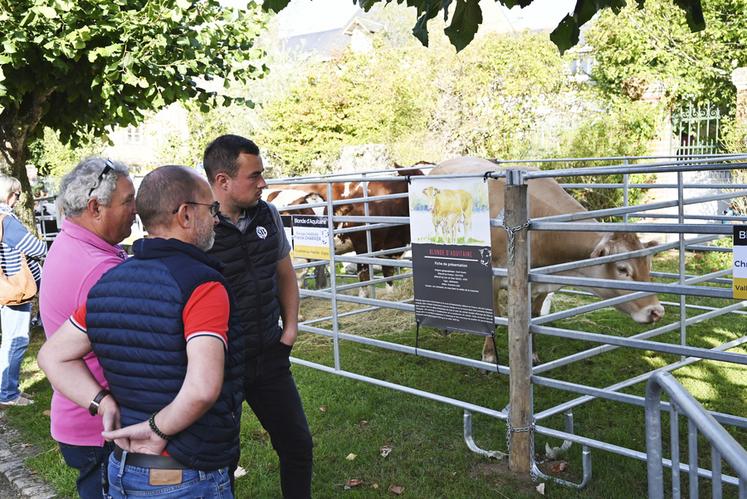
429,457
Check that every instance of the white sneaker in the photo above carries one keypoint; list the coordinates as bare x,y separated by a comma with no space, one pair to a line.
20,401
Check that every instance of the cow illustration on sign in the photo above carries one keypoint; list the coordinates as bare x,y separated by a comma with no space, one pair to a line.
450,212
449,209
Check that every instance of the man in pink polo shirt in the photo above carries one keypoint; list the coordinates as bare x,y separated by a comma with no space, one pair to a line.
98,201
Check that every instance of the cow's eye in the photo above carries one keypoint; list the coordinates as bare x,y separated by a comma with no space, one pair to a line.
623,269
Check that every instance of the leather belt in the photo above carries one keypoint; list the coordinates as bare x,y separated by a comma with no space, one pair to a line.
149,460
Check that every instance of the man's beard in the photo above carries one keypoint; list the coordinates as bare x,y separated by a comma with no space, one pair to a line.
205,241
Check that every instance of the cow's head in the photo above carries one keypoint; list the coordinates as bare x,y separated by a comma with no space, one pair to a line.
644,310
430,194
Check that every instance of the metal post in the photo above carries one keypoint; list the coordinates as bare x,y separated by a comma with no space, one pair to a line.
333,276
520,418
626,189
653,442
682,248
369,244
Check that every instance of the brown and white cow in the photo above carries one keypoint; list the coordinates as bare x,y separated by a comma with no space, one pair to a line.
382,238
546,198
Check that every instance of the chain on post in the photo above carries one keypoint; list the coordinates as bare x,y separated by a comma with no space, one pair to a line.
511,234
529,429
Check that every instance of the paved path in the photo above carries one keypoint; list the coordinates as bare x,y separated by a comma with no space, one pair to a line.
16,480
7,491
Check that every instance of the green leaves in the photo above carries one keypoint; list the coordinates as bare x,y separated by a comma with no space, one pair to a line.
45,11
88,65
277,5
640,47
468,16
565,35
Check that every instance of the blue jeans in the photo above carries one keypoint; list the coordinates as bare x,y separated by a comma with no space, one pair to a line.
90,461
14,323
132,481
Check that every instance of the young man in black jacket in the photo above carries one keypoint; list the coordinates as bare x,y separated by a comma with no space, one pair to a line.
251,244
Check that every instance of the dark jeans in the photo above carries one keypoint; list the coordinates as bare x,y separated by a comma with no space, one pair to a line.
272,395
91,464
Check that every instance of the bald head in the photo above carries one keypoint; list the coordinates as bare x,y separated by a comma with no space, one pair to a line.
163,190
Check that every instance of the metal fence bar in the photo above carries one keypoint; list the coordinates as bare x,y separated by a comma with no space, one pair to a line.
633,286
674,431
699,420
625,452
678,166
655,346
723,418
405,389
716,469
607,212
681,257
647,228
612,393
596,185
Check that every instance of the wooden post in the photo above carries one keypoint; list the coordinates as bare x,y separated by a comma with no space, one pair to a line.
519,346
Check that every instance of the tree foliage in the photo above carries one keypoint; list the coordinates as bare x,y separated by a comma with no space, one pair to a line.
502,97
203,126
639,47
466,16
621,128
357,99
80,67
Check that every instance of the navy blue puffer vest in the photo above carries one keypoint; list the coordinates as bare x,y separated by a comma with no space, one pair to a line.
250,266
134,322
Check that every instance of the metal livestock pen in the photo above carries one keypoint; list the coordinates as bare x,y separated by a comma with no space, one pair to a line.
524,422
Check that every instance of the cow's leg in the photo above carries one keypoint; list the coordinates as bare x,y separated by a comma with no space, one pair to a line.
537,304
320,277
488,348
389,272
363,276
300,274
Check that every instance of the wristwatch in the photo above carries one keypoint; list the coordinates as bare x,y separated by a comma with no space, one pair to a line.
93,407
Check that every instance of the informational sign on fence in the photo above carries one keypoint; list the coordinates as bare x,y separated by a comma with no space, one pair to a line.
739,273
288,228
452,271
310,237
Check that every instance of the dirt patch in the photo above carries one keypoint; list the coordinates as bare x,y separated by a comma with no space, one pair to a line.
498,474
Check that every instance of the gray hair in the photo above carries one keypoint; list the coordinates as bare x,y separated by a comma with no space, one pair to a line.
83,184
8,184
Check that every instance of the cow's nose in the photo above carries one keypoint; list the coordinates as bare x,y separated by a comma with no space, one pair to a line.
656,313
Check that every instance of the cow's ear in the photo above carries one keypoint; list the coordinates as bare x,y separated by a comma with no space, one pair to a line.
650,244
602,249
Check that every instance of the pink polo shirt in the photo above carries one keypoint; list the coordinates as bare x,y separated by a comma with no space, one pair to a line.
75,262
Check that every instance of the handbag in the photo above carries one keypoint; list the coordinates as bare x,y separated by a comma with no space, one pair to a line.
20,287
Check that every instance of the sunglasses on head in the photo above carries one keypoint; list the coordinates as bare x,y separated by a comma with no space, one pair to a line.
108,166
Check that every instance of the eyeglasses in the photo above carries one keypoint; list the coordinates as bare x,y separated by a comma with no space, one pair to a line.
214,207
108,166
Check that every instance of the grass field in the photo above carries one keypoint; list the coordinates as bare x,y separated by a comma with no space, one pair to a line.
428,456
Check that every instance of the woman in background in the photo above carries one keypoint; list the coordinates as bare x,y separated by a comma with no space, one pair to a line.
17,242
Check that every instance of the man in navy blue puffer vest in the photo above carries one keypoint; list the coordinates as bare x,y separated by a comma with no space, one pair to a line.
162,328
250,242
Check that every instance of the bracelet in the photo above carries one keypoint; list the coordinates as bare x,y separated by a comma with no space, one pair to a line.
155,429
93,407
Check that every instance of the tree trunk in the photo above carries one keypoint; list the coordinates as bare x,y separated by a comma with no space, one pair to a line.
25,207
